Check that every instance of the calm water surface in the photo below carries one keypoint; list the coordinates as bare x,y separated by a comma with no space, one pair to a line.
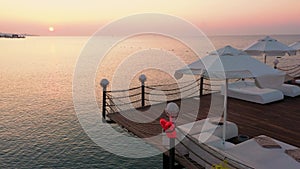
38,124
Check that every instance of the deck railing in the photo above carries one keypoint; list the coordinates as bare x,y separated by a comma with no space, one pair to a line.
145,95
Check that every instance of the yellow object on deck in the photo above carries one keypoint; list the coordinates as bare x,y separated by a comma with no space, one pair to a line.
222,165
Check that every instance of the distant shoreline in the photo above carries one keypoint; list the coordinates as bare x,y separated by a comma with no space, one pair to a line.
14,35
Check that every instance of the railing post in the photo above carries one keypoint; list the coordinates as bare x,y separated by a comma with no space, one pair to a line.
165,161
104,83
201,86
142,79
172,110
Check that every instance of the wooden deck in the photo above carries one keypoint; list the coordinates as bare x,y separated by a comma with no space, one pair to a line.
279,120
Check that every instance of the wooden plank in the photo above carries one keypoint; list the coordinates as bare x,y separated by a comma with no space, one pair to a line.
280,120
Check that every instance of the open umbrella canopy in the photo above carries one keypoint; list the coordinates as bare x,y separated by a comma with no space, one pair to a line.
227,63
295,45
269,47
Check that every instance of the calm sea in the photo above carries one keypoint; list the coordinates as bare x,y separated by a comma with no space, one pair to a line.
38,124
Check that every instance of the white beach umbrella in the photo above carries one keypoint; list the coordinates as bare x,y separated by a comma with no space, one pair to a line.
227,63
296,46
269,47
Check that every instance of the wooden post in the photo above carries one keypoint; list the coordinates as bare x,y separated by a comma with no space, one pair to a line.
172,154
165,161
201,86
142,79
104,83
172,110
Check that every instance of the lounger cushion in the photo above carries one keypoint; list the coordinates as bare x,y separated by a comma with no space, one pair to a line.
206,125
264,158
289,90
273,83
248,91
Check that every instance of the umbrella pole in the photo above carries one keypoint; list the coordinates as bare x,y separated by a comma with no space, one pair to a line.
225,110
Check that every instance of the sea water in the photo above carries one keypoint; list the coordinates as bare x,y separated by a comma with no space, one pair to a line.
38,123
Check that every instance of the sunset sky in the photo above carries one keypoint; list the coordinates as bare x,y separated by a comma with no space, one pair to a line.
213,17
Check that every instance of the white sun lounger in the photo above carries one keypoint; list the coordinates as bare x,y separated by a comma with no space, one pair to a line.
206,154
208,150
276,82
248,91
248,153
258,157
289,90
207,126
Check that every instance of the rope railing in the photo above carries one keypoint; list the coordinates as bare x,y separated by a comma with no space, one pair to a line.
122,103
186,96
211,90
192,94
129,96
173,93
172,89
155,100
170,84
140,96
125,90
111,105
209,84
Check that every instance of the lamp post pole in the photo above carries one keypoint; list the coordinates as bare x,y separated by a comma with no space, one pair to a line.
172,153
104,83
142,79
172,111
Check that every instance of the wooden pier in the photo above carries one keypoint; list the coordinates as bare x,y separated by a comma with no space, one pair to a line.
279,120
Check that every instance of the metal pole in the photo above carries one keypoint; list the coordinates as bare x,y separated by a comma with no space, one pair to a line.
172,154
165,161
265,58
225,110
172,111
143,94
201,86
104,105
142,79
104,83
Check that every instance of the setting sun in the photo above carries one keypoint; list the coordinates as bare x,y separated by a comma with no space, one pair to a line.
51,28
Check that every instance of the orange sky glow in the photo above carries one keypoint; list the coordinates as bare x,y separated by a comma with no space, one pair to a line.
215,17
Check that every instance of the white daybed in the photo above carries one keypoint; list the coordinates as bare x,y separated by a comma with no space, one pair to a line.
203,141
207,150
248,91
211,129
276,82
258,157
